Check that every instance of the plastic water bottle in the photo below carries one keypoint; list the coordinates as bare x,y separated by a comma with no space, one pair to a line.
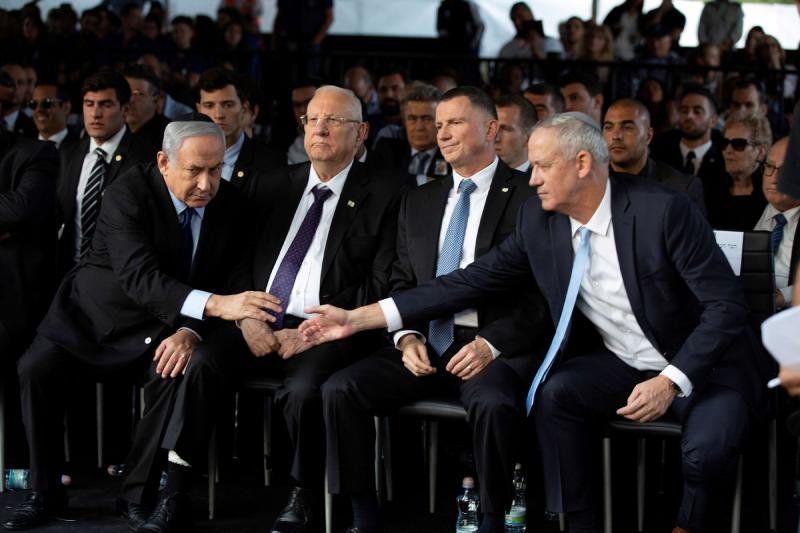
467,503
515,518
16,479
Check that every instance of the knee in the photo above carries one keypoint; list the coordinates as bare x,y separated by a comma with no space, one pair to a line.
707,458
335,388
300,392
31,368
490,405
555,394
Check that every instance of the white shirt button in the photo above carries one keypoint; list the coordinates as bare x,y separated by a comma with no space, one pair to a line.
148,340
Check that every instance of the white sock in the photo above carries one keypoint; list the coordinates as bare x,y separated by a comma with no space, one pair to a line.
173,457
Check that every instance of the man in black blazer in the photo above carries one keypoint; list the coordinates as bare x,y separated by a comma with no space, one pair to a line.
143,118
106,96
627,131
51,107
137,303
660,323
500,333
516,117
417,154
13,109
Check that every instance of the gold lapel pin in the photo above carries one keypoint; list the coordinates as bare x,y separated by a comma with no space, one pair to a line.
504,189
240,174
118,158
351,203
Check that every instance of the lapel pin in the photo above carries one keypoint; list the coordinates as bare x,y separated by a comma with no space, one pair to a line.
118,158
240,174
504,189
351,203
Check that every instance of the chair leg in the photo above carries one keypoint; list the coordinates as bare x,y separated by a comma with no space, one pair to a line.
66,441
433,460
773,475
562,522
235,425
640,483
267,435
328,506
2,434
213,472
387,458
99,412
737,500
607,518
378,458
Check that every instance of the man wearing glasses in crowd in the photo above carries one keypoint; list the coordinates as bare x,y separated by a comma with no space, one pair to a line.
51,106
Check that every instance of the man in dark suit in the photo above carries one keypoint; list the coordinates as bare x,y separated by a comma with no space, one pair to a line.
143,118
417,154
626,128
327,234
51,106
516,118
222,96
89,165
497,335
13,113
780,217
660,323
164,244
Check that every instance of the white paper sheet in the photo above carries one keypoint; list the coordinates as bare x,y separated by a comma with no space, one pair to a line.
781,339
731,244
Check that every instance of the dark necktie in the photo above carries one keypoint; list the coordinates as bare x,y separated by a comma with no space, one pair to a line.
418,163
187,241
440,332
777,232
688,167
290,265
90,206
578,268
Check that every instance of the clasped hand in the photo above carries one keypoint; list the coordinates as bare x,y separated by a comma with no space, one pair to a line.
262,340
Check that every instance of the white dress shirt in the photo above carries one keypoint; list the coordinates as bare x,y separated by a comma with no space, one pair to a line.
56,138
783,257
699,154
477,201
109,146
524,166
305,291
602,298
230,157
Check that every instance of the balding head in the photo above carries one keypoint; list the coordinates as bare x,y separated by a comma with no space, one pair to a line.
627,131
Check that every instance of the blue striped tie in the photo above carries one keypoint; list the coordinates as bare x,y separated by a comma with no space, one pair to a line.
440,331
578,268
777,232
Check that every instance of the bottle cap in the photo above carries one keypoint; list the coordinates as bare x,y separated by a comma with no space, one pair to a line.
468,483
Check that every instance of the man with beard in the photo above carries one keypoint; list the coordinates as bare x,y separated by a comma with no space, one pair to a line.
390,91
694,148
627,132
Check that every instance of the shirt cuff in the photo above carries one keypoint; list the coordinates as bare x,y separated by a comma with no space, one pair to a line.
392,315
495,351
194,306
403,332
193,332
679,379
787,295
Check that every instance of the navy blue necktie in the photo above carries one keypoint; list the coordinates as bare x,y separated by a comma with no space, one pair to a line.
187,240
777,232
440,331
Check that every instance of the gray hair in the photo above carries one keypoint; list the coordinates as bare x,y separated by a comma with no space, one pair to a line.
577,131
354,104
177,132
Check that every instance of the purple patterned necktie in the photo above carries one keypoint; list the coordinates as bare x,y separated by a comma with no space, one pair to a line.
290,265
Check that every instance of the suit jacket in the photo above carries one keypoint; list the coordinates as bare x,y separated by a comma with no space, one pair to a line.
396,154
152,133
130,152
511,320
666,148
361,242
127,292
681,288
675,180
25,127
28,170
254,163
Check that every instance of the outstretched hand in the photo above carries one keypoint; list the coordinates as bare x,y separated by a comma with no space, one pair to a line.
330,324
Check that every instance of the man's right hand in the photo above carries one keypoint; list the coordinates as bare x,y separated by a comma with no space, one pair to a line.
249,304
415,355
259,337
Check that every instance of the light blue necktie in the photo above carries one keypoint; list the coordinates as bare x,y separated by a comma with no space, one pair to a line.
578,267
440,332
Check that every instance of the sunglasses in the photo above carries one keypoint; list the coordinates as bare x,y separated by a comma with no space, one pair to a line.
47,103
737,144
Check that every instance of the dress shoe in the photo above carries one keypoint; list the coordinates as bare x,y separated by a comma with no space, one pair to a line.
135,513
677,529
354,529
173,514
297,516
38,508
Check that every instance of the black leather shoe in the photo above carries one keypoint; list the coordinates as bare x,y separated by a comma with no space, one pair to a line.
297,516
38,508
354,529
173,514
136,514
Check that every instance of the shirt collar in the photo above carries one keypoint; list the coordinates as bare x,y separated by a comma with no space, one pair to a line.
790,214
110,145
180,207
524,166
11,120
335,184
601,219
56,138
430,151
232,152
482,178
699,151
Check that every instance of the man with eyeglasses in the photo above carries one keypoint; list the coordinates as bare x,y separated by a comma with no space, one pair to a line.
780,217
91,164
51,106
418,153
143,117
326,232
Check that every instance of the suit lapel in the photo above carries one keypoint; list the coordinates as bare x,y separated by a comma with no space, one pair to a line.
795,254
244,163
119,159
561,244
354,194
431,217
72,175
500,193
170,219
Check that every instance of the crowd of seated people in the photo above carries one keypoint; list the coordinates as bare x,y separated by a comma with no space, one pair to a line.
540,246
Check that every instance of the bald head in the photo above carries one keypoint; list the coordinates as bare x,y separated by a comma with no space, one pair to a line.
627,131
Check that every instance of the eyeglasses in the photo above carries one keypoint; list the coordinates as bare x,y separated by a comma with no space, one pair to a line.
737,144
45,104
770,169
330,122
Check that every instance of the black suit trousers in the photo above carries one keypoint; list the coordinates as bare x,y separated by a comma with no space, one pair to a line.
494,400
583,391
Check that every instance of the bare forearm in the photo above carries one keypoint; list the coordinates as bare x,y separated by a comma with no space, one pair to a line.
366,317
